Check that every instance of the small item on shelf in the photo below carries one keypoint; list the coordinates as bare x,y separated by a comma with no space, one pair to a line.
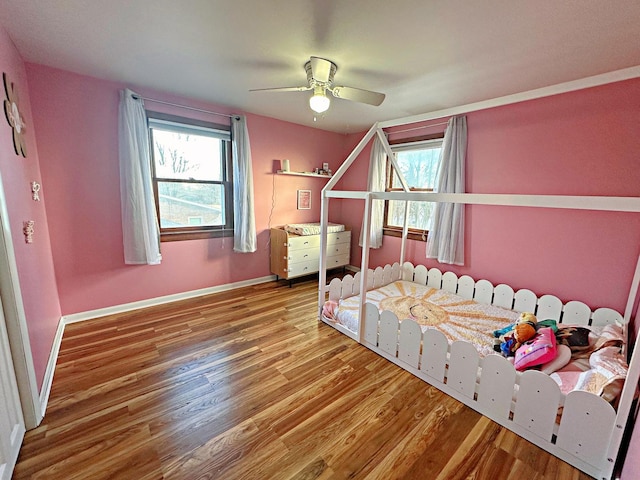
312,173
285,165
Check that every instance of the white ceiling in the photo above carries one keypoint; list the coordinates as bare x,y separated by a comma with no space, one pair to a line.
424,55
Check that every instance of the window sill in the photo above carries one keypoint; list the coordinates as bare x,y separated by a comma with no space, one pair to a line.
194,235
411,234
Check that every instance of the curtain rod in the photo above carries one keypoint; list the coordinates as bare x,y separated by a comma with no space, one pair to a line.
416,128
210,112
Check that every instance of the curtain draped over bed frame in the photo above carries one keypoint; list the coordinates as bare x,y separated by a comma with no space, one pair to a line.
140,230
376,183
446,235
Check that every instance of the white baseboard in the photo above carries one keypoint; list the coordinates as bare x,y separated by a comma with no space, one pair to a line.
127,307
101,312
351,268
51,367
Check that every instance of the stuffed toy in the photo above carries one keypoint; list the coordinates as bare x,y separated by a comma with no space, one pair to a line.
510,338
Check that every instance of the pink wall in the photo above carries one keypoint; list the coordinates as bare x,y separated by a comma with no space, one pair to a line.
305,149
580,143
34,261
76,120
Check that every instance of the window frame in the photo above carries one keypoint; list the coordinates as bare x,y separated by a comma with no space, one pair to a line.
189,125
392,230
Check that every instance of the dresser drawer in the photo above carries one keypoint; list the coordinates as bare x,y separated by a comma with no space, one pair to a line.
339,238
338,249
302,268
303,255
312,266
337,261
313,241
301,242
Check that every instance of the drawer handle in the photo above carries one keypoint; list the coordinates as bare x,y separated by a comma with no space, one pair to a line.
306,255
306,243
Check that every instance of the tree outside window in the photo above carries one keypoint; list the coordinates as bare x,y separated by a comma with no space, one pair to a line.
418,162
191,178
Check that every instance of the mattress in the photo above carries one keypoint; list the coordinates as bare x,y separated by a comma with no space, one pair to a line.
312,228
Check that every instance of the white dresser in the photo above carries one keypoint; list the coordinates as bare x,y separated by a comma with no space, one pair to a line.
296,255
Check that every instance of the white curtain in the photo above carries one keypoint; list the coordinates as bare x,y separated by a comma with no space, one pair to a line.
446,235
376,183
244,222
141,234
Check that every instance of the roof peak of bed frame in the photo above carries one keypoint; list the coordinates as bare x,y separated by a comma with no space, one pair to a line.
565,87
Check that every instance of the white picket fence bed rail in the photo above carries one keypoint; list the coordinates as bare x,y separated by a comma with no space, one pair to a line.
526,403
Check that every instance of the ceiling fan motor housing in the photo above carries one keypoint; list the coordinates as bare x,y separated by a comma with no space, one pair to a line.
313,81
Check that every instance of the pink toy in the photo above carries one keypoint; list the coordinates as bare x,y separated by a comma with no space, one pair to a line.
329,308
541,349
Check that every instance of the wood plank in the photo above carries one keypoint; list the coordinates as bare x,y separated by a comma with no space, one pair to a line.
248,384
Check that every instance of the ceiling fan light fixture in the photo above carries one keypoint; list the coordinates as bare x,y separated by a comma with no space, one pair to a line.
320,74
319,102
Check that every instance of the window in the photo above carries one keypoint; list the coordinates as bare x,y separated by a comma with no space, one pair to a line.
418,160
191,171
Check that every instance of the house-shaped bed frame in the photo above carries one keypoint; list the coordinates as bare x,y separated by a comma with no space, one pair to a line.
583,413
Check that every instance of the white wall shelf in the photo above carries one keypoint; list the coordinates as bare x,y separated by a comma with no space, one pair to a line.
303,174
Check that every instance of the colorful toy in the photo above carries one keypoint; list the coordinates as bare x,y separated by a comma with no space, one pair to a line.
510,338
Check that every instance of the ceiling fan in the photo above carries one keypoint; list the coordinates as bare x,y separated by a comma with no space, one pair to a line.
320,73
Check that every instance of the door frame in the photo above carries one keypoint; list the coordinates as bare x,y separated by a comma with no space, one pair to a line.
12,427
16,322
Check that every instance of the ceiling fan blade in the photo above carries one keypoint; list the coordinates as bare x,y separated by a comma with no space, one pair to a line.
282,89
358,95
321,69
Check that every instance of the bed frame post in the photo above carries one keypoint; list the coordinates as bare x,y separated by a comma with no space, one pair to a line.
405,231
631,382
633,293
364,265
324,219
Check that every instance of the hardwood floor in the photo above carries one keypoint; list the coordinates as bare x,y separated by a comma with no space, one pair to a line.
247,384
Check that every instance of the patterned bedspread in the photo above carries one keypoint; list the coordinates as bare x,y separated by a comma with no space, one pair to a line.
602,372
456,317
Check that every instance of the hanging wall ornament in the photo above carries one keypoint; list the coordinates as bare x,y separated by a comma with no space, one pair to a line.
28,230
13,117
35,191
